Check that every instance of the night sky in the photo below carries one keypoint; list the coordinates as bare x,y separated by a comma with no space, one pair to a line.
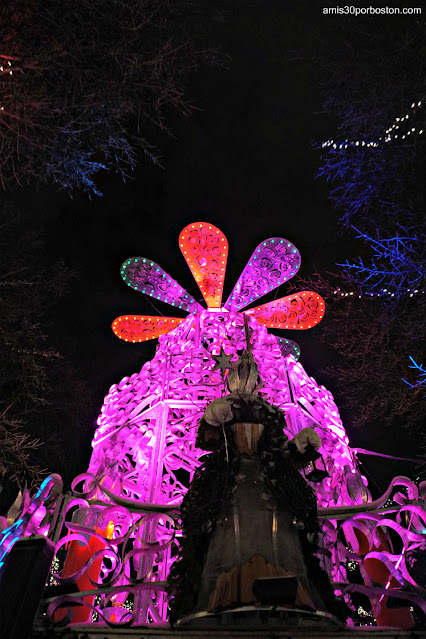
243,161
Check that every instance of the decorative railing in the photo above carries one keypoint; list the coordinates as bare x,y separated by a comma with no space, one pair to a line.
112,554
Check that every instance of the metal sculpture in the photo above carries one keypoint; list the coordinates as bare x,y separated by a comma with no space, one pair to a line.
144,447
144,452
205,249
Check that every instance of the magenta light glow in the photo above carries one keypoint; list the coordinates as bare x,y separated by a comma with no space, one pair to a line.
144,450
147,277
145,440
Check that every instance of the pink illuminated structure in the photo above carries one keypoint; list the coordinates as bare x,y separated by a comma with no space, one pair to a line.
144,452
144,446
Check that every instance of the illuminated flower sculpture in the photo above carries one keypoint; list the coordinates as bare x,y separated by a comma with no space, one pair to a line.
205,250
121,515
144,447
184,371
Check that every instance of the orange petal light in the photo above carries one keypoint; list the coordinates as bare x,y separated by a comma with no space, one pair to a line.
205,249
298,311
140,328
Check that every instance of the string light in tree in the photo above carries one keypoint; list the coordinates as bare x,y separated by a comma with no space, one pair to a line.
7,70
382,293
396,131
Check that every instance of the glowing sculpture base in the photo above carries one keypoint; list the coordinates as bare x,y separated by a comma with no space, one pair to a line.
144,447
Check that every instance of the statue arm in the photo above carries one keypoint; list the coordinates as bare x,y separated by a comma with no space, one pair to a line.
301,446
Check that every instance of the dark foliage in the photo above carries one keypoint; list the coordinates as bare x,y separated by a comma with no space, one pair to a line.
374,338
372,73
372,78
84,83
374,82
43,400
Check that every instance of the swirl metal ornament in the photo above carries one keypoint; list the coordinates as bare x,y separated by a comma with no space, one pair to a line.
273,262
123,511
149,278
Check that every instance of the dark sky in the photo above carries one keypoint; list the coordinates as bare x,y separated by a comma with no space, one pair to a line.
243,161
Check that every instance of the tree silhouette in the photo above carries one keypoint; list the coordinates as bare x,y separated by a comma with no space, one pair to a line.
84,83
374,82
374,342
43,401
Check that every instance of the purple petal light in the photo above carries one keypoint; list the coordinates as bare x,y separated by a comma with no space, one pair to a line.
147,277
273,262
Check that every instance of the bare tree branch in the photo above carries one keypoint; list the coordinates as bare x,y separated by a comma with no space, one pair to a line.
84,83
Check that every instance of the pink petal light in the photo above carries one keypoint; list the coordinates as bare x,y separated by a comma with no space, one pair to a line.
147,277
